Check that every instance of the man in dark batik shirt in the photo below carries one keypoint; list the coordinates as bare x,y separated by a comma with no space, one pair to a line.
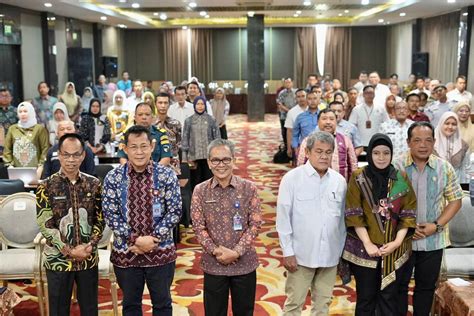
70,218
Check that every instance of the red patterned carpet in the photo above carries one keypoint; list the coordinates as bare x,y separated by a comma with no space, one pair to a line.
256,143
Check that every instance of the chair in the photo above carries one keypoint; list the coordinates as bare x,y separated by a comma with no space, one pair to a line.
20,257
10,186
102,170
106,270
458,261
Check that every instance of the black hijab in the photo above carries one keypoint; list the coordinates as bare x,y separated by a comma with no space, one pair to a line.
90,108
380,177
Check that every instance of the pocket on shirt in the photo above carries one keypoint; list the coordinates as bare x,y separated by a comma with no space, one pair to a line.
335,204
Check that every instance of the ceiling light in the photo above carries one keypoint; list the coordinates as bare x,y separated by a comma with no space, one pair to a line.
402,14
207,16
451,1
156,14
185,27
295,15
298,12
103,18
122,26
1,15
251,13
380,20
346,11
122,1
307,3
53,18
340,14
48,5
388,22
364,2
192,4
464,14
322,7
135,5
202,13
163,16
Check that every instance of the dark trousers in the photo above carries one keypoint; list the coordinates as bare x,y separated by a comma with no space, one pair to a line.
60,286
427,265
242,290
223,131
201,173
283,132
158,280
371,300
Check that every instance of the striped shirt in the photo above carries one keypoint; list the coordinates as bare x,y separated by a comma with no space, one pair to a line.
434,187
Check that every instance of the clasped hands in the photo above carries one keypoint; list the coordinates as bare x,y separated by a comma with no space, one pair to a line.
225,255
374,251
144,244
81,252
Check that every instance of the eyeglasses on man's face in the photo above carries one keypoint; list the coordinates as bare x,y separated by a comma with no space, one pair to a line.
217,161
74,156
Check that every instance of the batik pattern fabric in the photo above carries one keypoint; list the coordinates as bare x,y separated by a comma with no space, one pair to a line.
362,211
173,130
69,214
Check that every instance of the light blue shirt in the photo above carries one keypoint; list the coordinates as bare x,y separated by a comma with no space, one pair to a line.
305,124
310,216
346,128
125,86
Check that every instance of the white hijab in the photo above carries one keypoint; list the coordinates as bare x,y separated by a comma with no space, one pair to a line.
124,99
444,146
31,115
59,106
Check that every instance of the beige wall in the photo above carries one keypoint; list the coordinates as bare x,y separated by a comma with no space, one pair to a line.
61,53
31,54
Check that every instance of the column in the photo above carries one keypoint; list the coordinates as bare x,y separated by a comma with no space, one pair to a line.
255,68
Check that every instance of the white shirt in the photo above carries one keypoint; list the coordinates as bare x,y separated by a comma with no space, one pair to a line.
381,94
456,96
417,91
179,113
292,114
436,110
131,103
398,134
310,216
363,113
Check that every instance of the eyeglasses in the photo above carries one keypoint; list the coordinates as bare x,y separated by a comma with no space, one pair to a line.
217,161
74,156
321,153
142,148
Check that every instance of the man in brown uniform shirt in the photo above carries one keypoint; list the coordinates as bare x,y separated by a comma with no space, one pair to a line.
226,218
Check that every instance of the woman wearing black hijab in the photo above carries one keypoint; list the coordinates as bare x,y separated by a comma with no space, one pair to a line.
380,220
95,127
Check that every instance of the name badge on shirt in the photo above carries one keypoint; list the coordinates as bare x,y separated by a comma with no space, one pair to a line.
237,222
156,207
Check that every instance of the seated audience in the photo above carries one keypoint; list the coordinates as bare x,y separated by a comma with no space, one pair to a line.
95,127
52,163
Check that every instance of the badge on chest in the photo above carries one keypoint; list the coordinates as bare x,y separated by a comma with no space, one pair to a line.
237,219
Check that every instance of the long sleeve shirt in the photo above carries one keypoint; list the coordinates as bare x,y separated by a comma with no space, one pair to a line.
362,114
69,214
305,123
44,108
310,216
199,132
142,204
213,209
26,147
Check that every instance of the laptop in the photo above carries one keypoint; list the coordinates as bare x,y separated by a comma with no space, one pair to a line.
26,174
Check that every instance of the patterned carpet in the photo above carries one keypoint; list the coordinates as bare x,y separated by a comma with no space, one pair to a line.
256,143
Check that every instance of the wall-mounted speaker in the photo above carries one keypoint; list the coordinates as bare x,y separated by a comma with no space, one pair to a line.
110,66
419,65
79,62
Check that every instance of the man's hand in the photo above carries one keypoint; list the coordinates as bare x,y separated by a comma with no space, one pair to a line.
146,243
225,255
424,230
290,263
81,252
136,250
289,151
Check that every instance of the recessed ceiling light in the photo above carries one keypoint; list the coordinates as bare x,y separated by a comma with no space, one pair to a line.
340,14
322,7
48,5
192,4
135,5
298,12
185,27
202,13
251,13
103,18
451,1
402,14
307,3
464,14
207,16
122,1
295,15
364,2
346,11
381,20
1,15
53,18
163,16
156,13
388,22
122,26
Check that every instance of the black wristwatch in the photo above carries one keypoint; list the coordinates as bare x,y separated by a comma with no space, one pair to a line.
439,228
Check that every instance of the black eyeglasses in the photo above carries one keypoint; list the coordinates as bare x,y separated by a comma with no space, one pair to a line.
217,161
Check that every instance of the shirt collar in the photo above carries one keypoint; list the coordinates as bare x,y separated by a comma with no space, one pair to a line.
62,175
431,160
148,170
233,182
310,171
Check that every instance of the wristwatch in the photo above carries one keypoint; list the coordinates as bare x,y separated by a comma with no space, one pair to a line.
439,228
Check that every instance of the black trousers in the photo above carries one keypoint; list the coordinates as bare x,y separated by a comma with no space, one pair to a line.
283,132
223,131
158,281
427,265
60,286
371,300
201,173
242,290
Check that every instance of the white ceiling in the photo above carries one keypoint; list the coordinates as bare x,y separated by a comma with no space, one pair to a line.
228,12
